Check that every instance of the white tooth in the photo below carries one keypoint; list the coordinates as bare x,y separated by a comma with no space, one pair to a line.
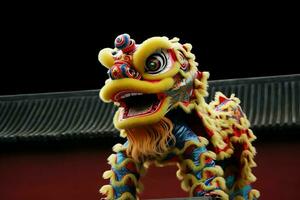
125,95
130,94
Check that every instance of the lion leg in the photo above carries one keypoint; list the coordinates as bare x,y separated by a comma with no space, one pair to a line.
238,173
236,133
124,176
197,170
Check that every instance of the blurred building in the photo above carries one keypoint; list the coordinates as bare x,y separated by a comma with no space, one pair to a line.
55,145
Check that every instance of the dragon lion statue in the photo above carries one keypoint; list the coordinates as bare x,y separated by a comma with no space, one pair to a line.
160,95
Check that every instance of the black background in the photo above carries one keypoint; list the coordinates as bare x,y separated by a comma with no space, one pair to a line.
54,47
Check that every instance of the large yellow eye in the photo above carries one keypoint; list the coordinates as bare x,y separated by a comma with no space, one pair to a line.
157,62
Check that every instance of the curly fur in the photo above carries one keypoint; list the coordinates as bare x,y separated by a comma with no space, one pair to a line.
149,141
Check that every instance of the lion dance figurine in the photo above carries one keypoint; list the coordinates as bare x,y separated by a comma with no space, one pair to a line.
160,95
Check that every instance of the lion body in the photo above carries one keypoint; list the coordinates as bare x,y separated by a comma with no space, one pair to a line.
210,143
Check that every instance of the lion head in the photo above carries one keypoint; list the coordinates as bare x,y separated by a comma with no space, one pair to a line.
147,80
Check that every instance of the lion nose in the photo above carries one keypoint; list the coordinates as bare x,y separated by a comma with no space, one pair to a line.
123,70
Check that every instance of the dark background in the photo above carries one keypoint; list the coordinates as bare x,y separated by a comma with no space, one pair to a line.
48,48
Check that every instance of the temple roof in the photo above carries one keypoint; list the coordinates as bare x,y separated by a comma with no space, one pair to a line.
271,103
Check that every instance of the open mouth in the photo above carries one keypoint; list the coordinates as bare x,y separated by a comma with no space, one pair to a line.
135,104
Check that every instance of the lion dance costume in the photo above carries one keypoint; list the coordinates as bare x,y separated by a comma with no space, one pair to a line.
162,112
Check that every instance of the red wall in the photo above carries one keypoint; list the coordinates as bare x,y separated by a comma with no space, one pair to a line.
72,174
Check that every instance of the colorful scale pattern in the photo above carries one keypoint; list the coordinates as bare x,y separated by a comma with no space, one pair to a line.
124,176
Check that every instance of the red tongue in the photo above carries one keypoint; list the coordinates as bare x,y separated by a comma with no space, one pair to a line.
140,105
139,110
